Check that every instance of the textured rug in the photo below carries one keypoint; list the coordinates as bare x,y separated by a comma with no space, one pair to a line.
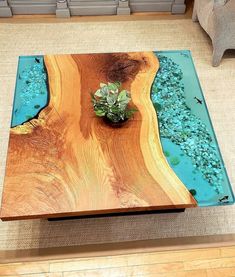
217,84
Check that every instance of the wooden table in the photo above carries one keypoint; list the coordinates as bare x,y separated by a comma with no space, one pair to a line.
67,162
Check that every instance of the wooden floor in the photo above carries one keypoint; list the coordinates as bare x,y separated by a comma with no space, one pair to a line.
209,262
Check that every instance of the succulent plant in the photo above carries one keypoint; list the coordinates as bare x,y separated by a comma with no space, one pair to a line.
111,101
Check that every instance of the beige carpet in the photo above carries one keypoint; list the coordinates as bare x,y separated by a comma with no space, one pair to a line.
219,88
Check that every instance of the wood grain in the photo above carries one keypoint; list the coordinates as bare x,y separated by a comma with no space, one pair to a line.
155,263
69,162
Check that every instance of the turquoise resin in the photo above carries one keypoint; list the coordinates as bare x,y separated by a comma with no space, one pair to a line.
186,132
182,121
31,93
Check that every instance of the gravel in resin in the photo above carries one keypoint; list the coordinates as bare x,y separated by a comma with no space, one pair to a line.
34,79
31,93
181,126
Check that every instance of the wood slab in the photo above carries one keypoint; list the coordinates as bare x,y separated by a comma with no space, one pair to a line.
68,162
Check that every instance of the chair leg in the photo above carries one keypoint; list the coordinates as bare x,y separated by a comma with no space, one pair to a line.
217,55
194,16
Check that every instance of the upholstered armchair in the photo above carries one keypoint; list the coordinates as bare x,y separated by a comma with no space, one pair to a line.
217,18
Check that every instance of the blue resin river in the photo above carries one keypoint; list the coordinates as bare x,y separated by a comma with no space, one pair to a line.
31,93
186,132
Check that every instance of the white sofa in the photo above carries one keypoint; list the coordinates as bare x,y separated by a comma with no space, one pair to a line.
217,18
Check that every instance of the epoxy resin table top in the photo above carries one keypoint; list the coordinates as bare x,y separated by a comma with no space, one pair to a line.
64,161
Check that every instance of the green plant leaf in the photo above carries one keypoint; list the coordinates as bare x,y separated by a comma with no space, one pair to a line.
100,113
113,86
108,101
93,100
122,106
124,97
111,99
130,112
113,117
118,84
114,109
99,93
105,91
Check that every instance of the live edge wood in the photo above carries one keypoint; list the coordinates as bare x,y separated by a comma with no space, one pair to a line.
68,162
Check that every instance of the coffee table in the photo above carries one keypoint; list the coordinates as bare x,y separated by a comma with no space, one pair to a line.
63,161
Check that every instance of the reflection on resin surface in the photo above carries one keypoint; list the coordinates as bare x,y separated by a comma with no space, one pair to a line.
31,89
185,129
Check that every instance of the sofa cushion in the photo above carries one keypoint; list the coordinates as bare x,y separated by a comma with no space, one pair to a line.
220,2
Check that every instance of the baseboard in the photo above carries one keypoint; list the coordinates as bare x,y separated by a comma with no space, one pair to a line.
96,10
33,9
150,7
